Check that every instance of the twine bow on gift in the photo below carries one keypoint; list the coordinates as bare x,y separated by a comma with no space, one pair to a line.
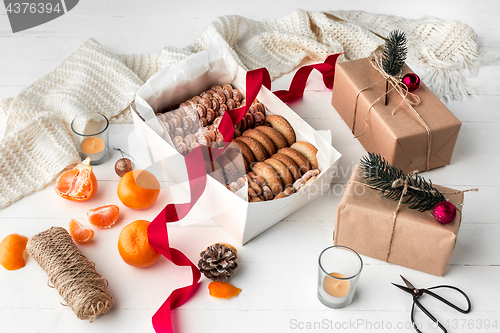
408,98
405,183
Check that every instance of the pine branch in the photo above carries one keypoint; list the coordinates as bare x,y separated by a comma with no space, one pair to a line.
394,55
379,174
395,52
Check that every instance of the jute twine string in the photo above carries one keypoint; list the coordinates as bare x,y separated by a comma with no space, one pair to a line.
407,97
405,182
71,273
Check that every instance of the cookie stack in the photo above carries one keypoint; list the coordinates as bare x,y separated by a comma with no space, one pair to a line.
276,164
196,121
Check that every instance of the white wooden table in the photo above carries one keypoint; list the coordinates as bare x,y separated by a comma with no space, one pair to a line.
278,269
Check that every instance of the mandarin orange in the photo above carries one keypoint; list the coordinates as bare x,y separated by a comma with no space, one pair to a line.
78,184
138,189
79,233
104,216
133,245
12,251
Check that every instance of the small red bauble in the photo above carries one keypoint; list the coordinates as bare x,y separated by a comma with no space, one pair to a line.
444,212
411,80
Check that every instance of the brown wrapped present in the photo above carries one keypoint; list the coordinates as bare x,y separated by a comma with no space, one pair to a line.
416,240
394,131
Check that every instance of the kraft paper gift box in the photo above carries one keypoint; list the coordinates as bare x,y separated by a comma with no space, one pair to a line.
364,222
401,138
187,78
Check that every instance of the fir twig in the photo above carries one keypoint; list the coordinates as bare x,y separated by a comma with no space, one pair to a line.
394,55
379,174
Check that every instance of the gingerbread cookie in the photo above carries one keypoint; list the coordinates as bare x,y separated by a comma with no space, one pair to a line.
275,136
269,174
283,126
289,163
298,158
309,152
308,182
231,173
263,139
282,171
287,192
214,169
258,151
246,152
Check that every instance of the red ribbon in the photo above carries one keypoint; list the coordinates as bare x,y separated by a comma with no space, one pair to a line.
197,175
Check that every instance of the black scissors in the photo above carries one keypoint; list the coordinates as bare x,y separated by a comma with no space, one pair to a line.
416,293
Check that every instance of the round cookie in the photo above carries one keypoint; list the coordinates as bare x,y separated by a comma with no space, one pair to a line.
231,171
214,169
267,193
233,153
267,172
298,158
289,191
263,139
309,152
281,169
283,126
258,151
275,136
246,152
289,163
308,182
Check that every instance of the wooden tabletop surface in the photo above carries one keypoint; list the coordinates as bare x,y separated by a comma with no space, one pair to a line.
278,269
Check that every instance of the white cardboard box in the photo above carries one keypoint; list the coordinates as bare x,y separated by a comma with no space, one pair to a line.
189,77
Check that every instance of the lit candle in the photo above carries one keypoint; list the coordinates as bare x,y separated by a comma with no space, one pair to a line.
90,132
335,287
92,145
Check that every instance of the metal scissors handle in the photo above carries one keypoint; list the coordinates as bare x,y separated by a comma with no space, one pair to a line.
416,293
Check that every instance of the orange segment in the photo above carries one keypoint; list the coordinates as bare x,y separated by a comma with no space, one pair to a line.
12,251
78,184
104,216
133,245
79,233
223,290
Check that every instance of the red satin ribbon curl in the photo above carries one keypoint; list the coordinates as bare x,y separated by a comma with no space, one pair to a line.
195,165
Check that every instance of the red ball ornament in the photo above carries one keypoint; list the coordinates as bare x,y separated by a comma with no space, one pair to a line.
411,80
444,212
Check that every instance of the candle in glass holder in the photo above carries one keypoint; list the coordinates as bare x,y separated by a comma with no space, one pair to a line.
90,132
338,274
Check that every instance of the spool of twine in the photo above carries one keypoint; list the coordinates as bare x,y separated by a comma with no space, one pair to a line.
71,273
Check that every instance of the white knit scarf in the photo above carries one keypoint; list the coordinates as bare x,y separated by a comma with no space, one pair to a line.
38,145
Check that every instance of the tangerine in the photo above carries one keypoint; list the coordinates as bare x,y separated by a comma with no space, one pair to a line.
133,245
79,233
104,216
12,251
78,184
138,189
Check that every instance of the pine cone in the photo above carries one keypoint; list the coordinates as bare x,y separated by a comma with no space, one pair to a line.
218,262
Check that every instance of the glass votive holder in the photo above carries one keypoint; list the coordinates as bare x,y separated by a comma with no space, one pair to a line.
338,274
90,133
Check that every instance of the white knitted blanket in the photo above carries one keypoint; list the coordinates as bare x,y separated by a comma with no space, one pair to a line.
38,145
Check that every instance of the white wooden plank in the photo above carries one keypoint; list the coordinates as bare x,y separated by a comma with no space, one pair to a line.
278,289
